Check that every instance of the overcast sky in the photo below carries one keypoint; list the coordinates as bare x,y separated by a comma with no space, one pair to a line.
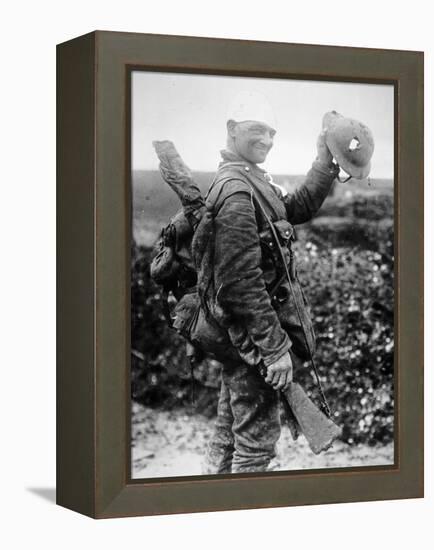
191,111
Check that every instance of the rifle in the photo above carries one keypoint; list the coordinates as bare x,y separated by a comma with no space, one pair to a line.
315,424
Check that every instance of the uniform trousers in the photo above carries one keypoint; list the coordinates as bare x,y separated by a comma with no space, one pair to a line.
248,426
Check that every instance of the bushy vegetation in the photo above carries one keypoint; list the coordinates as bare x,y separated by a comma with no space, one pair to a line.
345,263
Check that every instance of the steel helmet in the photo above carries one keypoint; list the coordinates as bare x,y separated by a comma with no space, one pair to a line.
350,142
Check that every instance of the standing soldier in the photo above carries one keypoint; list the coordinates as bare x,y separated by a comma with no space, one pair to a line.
250,292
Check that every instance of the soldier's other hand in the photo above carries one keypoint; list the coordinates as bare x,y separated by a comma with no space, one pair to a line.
323,151
279,373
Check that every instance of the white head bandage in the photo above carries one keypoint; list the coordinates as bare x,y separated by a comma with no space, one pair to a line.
251,106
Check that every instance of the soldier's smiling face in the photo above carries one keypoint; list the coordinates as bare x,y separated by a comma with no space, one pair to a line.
251,140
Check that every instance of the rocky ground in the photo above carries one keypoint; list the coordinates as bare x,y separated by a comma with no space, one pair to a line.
172,443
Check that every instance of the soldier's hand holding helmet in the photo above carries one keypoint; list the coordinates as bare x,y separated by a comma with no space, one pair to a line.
279,373
323,152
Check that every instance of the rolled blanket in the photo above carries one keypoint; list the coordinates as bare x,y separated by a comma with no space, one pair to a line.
177,174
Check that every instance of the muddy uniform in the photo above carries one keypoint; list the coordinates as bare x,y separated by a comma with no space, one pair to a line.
244,270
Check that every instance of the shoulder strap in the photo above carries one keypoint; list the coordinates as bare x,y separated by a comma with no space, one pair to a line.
221,183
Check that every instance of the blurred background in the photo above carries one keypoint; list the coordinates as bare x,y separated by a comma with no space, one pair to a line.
345,259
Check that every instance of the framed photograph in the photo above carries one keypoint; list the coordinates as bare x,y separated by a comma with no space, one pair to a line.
240,274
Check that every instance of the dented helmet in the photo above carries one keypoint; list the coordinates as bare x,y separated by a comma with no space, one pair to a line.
350,142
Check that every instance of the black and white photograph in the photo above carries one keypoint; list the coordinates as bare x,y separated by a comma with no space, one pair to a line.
262,274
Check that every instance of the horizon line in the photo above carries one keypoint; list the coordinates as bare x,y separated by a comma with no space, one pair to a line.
388,177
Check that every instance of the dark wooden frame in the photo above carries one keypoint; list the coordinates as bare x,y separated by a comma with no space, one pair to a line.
94,214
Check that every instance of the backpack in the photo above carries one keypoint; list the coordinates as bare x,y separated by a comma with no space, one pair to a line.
182,266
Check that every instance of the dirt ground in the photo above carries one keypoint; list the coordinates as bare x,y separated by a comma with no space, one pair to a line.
169,444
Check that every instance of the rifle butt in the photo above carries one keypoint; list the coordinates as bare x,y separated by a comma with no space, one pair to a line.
319,430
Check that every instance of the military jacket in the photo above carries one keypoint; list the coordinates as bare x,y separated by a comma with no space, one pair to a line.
245,266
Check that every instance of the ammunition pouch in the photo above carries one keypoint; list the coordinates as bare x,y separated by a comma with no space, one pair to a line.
282,299
271,260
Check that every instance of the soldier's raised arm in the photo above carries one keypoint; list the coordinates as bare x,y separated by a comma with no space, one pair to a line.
304,202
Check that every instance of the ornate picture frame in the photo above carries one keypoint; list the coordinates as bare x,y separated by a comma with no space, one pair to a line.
94,236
